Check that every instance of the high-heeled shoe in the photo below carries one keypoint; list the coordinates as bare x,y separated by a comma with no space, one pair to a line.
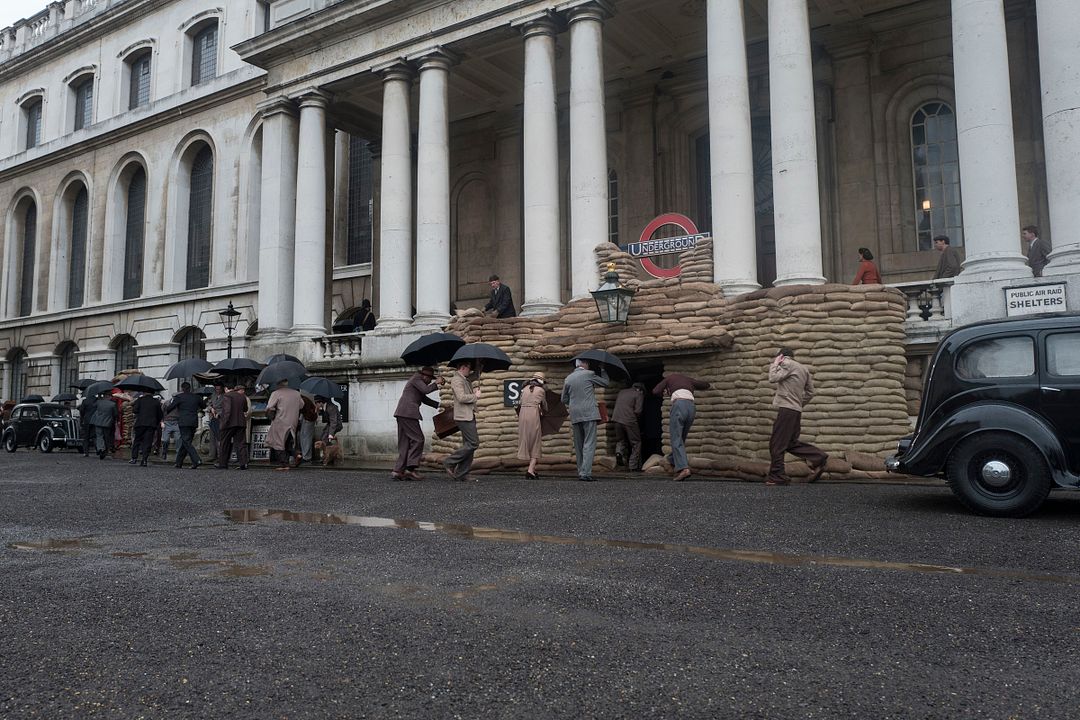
531,475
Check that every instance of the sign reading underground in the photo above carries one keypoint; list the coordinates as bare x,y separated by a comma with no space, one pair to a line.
646,247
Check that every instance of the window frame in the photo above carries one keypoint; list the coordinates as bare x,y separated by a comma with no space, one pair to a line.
201,232
134,92
133,266
28,252
85,118
924,194
962,353
199,58
122,345
76,280
33,112
1072,377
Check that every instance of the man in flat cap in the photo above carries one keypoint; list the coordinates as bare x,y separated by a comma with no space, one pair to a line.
794,388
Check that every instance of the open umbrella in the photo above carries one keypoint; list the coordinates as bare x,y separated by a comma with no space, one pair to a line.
98,388
282,357
187,368
613,364
65,397
140,382
32,399
83,383
490,356
285,370
322,387
553,419
432,349
238,366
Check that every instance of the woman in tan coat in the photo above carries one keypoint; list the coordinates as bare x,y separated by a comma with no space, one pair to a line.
533,405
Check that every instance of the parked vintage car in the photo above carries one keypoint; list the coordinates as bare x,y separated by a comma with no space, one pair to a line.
1000,415
41,425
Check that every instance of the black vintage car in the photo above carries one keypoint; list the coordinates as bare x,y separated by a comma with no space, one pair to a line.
1000,415
41,425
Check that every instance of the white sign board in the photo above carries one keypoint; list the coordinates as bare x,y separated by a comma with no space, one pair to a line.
1034,299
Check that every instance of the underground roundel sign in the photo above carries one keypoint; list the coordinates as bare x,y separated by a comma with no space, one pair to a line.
647,247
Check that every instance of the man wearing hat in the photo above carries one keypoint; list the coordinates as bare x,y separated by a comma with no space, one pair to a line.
626,416
407,414
459,462
579,396
794,388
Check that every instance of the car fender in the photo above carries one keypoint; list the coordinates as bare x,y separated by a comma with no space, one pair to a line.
932,446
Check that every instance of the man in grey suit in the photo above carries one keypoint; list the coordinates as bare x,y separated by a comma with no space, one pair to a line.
580,397
1038,250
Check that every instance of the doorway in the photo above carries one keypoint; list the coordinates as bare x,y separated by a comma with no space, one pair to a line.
649,372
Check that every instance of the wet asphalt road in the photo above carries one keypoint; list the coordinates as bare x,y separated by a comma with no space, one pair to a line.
130,592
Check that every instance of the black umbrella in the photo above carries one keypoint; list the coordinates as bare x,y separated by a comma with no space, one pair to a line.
490,356
239,366
432,349
83,383
98,388
284,370
65,397
613,364
321,387
282,357
32,399
140,382
187,368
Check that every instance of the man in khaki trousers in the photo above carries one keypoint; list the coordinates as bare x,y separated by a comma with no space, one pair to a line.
459,462
794,388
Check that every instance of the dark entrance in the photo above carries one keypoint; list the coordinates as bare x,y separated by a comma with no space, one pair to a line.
649,372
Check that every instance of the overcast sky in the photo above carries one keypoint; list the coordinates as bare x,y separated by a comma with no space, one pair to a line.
12,10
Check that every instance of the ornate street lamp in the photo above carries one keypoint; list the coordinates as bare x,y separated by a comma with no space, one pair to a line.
228,319
612,299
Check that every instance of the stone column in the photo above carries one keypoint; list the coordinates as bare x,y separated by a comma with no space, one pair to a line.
309,295
395,206
1059,52
277,217
433,186
984,134
540,120
794,145
731,151
588,146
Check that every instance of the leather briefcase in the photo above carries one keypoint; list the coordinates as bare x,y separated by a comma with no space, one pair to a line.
444,423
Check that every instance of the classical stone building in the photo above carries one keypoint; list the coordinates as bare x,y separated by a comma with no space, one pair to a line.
161,158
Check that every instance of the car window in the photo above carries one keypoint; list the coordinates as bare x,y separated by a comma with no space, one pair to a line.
55,412
997,358
29,414
1063,354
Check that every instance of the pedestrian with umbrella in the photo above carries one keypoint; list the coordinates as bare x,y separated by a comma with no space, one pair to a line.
103,418
579,394
148,415
187,405
680,417
466,393
432,349
235,408
86,412
532,408
407,414
283,408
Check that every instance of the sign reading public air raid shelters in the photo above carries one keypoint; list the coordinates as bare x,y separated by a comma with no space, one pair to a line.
1034,299
647,247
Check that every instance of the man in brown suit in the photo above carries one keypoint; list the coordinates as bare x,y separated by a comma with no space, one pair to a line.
234,415
459,462
628,406
794,388
407,414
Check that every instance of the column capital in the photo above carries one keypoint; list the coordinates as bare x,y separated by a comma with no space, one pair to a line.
544,22
312,97
436,57
276,106
396,69
598,10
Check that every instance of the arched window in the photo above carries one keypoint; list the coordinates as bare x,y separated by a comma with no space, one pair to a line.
83,88
17,363
32,109
77,253
29,250
613,206
936,174
126,356
139,84
69,366
192,343
361,203
204,54
135,235
200,219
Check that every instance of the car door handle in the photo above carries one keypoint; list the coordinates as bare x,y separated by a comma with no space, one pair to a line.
1044,388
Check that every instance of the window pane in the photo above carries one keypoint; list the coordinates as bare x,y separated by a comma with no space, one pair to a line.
84,103
127,358
613,207
33,124
361,186
1000,357
77,250
935,171
200,209
134,235
26,295
204,55
139,91
1063,354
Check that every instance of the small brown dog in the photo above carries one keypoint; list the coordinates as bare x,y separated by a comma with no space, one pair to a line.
331,454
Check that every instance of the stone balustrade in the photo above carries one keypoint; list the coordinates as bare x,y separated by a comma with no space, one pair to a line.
929,309
344,346
55,18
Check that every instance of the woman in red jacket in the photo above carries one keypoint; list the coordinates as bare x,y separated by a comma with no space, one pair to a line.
868,273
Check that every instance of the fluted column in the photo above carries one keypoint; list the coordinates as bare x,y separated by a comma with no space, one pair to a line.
588,146
796,203
731,151
433,188
277,216
540,119
1059,71
395,204
984,134
309,296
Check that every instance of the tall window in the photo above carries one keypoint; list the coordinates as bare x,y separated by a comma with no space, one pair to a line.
361,185
33,123
204,54
18,373
936,171
613,206
192,344
134,235
139,87
77,252
29,247
200,210
126,356
84,103
69,366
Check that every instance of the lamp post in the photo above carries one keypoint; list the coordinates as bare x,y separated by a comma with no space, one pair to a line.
228,319
612,299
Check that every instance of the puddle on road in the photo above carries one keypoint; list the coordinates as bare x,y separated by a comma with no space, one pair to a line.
57,545
748,556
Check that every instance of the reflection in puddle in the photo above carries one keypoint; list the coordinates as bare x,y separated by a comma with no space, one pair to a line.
58,545
748,556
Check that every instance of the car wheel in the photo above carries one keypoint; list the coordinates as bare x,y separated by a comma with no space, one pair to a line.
998,474
9,442
45,443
